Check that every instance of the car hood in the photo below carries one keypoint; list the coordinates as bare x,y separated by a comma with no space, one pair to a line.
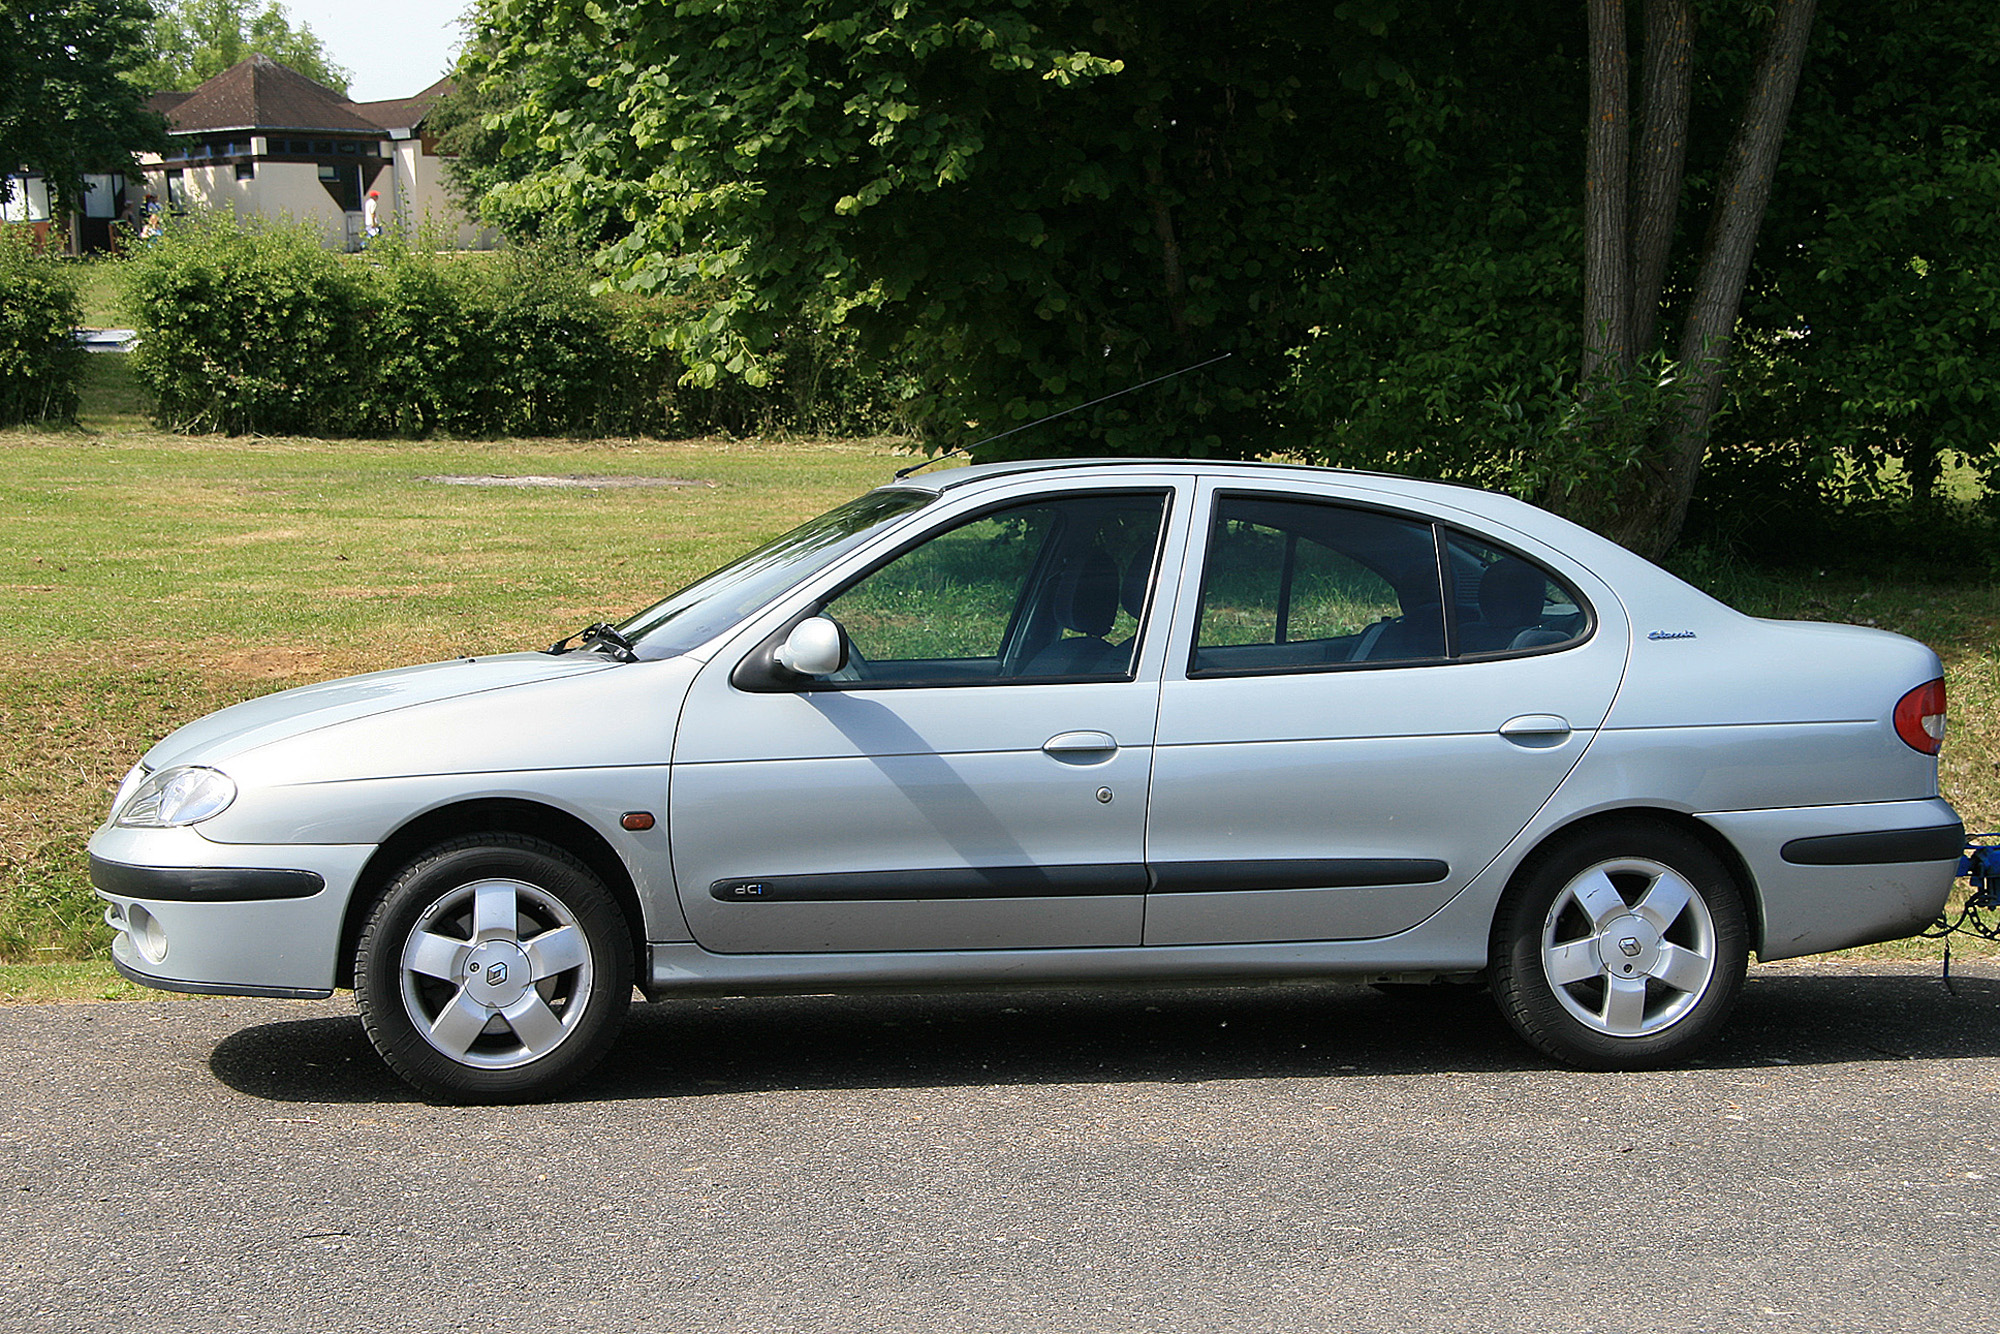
291,713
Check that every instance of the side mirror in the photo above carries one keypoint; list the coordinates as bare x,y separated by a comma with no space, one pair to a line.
817,646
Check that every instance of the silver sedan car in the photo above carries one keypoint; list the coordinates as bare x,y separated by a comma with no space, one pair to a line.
1039,724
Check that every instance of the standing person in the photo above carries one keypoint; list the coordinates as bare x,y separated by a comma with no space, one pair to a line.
369,215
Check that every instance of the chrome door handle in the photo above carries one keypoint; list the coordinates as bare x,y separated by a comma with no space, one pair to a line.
1530,729
1080,743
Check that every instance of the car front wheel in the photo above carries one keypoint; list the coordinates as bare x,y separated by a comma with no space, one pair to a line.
495,968
1621,949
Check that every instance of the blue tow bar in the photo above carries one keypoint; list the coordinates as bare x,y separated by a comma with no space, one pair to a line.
1980,867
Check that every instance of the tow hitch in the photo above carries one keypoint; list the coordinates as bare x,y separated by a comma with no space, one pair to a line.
1977,916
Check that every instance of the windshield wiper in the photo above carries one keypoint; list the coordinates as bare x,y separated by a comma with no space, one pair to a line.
616,644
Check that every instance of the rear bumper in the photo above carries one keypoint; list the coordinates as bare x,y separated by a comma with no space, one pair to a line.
1829,877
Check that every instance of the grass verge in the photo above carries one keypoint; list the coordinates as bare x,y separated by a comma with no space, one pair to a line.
70,980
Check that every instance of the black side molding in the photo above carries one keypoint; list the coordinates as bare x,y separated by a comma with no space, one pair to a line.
960,882
1936,843
1302,873
1029,882
202,884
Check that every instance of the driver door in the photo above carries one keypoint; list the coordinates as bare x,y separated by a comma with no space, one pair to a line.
974,778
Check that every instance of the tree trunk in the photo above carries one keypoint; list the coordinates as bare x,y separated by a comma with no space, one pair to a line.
1924,463
1170,259
1666,83
1607,346
1656,501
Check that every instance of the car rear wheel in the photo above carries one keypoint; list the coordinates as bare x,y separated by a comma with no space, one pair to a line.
495,969
1621,949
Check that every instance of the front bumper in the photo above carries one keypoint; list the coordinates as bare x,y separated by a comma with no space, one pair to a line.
224,918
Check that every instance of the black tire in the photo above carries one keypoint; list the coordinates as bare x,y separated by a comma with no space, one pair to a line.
1622,948
471,1002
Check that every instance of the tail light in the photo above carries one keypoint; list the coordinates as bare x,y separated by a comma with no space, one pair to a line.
1920,717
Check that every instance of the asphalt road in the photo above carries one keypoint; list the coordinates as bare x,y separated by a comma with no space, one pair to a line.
1293,1158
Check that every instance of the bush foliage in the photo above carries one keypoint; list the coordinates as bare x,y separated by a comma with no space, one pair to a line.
41,364
252,328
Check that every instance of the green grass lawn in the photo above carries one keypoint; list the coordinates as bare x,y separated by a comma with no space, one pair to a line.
146,579
100,284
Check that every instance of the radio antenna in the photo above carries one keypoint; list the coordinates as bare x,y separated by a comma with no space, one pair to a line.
901,473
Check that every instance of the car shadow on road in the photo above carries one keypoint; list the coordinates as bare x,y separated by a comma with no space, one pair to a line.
696,1048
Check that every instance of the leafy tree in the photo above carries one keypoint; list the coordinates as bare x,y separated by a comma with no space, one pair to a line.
1458,340
195,40
1041,203
1384,209
1877,331
64,108
1442,338
466,118
1450,343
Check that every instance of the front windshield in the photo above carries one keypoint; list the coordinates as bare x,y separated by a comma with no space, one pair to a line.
715,602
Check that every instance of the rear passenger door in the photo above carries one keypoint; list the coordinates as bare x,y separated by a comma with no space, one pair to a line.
1332,762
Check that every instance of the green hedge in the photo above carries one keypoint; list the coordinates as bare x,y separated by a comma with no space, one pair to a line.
41,363
250,328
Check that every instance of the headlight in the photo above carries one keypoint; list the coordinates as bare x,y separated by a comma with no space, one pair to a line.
128,785
185,795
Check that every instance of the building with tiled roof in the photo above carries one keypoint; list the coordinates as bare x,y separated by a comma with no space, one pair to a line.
265,140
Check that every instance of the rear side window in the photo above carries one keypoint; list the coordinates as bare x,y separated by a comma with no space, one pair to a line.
1505,603
1296,585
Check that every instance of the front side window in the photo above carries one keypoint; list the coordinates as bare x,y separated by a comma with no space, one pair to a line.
723,598
1051,590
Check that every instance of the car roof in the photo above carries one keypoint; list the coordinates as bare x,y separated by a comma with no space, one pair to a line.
980,472
1607,558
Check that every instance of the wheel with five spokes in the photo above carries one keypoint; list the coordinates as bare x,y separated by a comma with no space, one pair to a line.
495,968
1623,948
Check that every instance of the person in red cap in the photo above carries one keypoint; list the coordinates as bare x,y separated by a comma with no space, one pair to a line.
368,212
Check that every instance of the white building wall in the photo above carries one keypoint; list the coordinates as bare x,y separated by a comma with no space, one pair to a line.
282,191
413,194
292,190
423,201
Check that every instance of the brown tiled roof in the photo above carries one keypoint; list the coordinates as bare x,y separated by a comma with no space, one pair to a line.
403,113
260,94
